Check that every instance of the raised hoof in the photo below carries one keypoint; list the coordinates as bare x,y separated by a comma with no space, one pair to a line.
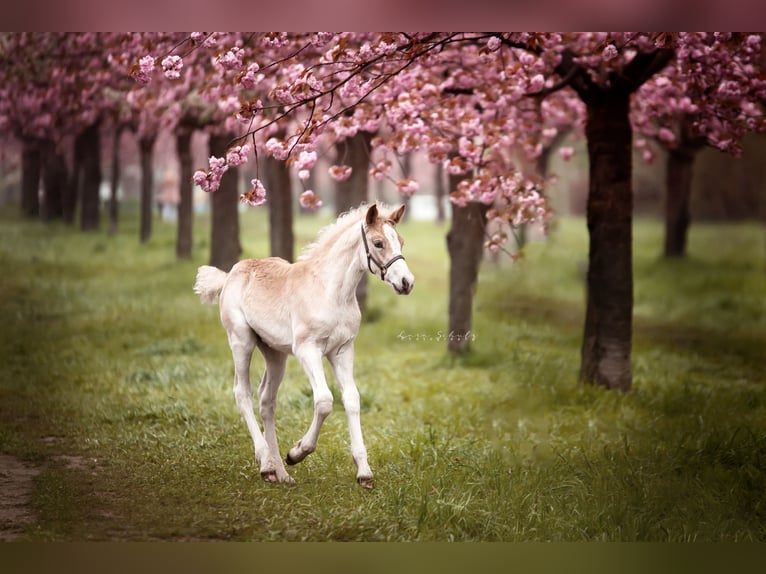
269,476
367,483
290,460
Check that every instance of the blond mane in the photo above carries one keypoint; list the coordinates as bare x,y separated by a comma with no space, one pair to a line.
329,234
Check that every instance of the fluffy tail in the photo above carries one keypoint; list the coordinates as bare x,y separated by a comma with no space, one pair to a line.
209,283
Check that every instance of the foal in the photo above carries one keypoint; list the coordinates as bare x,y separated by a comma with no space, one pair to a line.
307,308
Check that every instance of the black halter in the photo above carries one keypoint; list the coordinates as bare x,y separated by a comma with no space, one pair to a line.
371,259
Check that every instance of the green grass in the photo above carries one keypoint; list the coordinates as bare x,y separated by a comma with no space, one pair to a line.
109,357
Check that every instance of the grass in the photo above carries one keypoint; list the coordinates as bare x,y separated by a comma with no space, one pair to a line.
117,382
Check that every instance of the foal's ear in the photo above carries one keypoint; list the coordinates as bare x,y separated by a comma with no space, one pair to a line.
372,214
397,215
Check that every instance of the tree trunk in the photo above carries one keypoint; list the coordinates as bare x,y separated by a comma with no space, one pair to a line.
465,243
680,167
186,205
146,148
55,180
72,190
439,193
90,180
280,204
606,344
224,204
114,184
354,152
30,178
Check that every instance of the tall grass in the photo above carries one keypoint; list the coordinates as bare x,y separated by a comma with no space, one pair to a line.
117,382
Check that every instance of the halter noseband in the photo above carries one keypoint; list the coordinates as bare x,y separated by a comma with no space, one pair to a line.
371,259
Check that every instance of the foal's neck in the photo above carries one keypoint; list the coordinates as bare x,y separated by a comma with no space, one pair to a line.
340,265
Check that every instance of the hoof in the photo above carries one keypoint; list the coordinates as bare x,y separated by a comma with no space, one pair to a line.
269,476
367,483
290,460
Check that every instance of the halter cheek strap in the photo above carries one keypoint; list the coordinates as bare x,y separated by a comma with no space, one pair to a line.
371,259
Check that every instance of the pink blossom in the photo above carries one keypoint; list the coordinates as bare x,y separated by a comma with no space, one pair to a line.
229,104
566,152
407,186
237,155
610,53
309,200
250,78
306,160
536,83
493,44
666,136
145,68
232,59
340,172
277,148
256,196
172,65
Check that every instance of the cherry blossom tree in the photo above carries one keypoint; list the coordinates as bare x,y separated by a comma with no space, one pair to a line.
462,98
710,95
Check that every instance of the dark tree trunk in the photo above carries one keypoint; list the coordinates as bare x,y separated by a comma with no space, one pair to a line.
280,204
114,184
680,167
406,172
354,152
439,192
465,244
146,149
30,178
55,181
90,182
186,204
606,347
72,190
224,204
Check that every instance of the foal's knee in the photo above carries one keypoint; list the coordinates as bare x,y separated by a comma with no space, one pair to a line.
323,406
351,401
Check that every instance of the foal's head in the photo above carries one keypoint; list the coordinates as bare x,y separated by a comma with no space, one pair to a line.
383,249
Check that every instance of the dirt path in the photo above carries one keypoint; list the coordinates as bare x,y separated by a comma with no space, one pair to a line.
16,480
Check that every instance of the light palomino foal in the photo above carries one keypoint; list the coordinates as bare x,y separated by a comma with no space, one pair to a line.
307,308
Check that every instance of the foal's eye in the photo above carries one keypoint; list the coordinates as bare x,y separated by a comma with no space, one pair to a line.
378,244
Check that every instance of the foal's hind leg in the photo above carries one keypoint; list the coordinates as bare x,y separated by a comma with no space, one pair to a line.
242,343
267,398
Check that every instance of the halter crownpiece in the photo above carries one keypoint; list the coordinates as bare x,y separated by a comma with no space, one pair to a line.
371,259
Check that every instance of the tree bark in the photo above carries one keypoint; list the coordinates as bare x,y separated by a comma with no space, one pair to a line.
678,180
72,190
225,248
55,179
355,152
146,148
465,244
30,178
114,184
184,235
280,204
606,347
439,193
90,180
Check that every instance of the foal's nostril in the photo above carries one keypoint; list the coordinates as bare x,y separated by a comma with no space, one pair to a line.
405,285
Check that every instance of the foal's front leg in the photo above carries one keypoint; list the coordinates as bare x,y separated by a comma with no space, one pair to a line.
310,358
343,366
